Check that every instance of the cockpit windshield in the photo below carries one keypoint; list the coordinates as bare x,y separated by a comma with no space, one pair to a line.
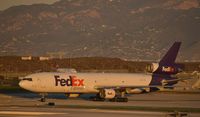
28,79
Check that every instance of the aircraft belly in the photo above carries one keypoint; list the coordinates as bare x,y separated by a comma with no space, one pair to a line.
67,89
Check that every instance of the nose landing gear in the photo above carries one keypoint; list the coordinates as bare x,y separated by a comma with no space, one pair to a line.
43,97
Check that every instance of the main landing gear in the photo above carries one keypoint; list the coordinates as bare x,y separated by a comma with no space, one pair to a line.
118,98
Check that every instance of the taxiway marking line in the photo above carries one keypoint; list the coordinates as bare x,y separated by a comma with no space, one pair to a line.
27,113
128,112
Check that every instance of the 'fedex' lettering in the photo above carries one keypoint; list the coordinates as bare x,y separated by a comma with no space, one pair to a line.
167,69
71,81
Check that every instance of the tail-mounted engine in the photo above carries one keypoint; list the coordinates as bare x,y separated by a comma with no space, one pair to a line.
163,69
152,67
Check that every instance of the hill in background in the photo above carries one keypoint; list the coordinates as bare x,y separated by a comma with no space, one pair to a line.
126,29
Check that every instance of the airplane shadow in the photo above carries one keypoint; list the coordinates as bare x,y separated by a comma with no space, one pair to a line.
27,94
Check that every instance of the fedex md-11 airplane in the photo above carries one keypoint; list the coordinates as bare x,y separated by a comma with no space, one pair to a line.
107,86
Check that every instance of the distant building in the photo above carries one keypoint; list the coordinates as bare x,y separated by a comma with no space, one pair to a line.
26,58
43,58
59,55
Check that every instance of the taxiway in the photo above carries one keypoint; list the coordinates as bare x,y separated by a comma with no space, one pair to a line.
28,104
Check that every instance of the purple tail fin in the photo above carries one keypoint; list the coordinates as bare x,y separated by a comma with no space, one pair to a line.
170,56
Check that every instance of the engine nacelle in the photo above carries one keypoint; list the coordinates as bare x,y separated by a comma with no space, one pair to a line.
107,93
156,68
152,67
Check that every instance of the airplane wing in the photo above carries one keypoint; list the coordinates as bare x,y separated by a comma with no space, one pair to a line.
124,87
164,85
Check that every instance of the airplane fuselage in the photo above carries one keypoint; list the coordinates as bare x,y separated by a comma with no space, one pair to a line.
82,82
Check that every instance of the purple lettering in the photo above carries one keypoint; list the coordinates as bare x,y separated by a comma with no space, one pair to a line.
71,81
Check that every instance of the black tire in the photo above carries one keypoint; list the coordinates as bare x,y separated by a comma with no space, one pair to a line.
97,99
119,100
51,104
43,100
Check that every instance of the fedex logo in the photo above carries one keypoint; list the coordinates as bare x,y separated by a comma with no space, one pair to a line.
167,69
71,81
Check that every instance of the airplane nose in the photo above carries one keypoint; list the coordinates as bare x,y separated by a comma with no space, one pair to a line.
26,85
21,84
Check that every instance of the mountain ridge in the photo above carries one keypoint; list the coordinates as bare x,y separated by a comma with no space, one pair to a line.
128,29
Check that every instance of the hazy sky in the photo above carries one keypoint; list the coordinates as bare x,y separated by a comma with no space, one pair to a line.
4,4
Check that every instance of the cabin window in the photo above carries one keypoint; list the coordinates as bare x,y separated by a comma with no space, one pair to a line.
28,79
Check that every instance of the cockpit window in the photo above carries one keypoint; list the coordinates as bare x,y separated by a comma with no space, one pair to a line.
28,79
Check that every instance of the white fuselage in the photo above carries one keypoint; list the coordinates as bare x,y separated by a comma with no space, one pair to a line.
50,82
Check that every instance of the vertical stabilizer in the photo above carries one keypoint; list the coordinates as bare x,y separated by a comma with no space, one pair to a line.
170,56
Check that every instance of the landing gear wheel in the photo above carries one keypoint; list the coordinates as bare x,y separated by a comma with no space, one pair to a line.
117,99
97,99
43,99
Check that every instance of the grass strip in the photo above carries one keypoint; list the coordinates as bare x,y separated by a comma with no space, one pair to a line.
11,89
138,108
125,108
